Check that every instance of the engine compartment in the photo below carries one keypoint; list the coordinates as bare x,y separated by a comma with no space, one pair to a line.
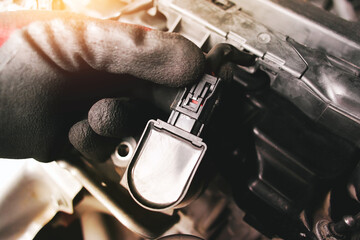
283,145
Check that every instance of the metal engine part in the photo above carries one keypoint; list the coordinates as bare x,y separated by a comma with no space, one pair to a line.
278,149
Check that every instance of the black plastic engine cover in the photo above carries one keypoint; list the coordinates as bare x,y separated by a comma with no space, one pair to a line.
280,161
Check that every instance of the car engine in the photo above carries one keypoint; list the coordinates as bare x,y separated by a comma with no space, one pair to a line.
273,153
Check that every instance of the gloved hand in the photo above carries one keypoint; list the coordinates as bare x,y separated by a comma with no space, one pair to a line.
54,69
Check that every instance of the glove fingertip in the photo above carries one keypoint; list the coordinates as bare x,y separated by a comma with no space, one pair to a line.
179,61
89,144
191,64
108,117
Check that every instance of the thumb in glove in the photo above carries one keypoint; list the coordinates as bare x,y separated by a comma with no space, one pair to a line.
110,120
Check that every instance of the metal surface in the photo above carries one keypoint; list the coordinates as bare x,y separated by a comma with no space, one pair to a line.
180,237
323,232
312,58
215,215
116,199
124,152
31,193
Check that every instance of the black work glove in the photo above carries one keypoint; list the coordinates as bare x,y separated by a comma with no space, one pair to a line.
52,71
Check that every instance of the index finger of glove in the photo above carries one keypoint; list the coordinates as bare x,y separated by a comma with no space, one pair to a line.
77,43
223,52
